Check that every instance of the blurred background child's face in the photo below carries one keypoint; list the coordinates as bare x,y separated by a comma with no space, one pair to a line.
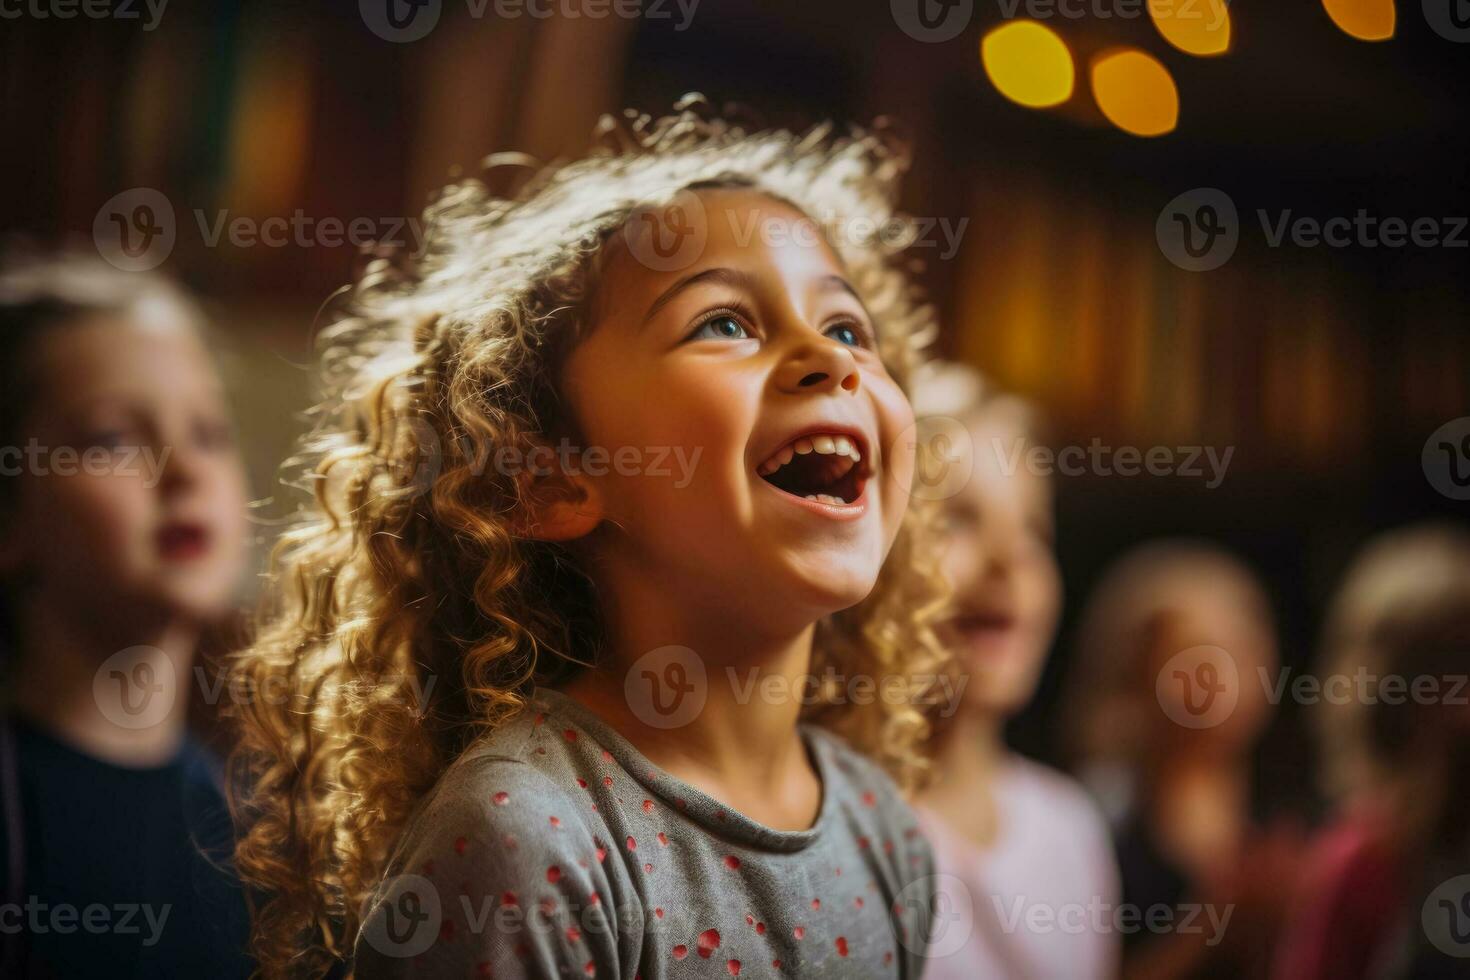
998,558
727,371
137,505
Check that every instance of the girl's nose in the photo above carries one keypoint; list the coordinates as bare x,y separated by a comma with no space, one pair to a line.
820,367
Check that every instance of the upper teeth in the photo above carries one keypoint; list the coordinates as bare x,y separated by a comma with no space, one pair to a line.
824,445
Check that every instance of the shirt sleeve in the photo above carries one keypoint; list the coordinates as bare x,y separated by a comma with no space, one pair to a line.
501,876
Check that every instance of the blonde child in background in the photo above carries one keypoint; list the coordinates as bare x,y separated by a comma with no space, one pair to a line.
122,538
1010,834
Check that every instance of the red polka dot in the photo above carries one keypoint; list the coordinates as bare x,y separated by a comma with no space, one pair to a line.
553,874
581,782
555,821
816,903
601,854
841,946
838,872
858,902
681,951
732,862
750,920
658,913
734,967
775,964
631,843
709,941
590,969
647,806
573,934
663,838
648,869
539,719
607,780
888,847
760,928
606,756
864,843
888,957
459,845
594,899
508,899
869,799
569,735
799,932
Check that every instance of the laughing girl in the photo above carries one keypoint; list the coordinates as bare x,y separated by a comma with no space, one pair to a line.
553,709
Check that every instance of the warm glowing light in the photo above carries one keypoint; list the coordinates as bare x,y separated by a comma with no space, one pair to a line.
1029,64
1199,27
1135,92
1366,20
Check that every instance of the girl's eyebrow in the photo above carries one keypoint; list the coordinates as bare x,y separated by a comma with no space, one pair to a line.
719,274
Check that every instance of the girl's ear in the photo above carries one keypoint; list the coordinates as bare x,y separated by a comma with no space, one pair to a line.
560,506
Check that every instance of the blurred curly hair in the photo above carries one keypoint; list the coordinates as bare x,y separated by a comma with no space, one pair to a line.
405,617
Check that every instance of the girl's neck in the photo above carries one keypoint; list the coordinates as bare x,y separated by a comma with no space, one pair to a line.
742,744
55,683
1200,810
970,756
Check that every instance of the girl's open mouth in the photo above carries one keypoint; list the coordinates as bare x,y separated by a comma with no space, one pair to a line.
825,467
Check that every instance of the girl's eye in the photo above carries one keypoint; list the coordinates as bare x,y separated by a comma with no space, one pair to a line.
109,439
846,333
720,327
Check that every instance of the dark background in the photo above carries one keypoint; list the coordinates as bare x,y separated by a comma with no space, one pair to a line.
1325,368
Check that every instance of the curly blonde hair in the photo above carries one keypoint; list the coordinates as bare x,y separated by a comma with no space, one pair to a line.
406,616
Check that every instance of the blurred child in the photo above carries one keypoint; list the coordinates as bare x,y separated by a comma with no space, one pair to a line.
122,535
1165,706
576,478
1012,833
1396,741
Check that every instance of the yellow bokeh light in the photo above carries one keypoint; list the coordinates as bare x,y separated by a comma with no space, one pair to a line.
1029,64
1366,20
1199,27
1135,92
